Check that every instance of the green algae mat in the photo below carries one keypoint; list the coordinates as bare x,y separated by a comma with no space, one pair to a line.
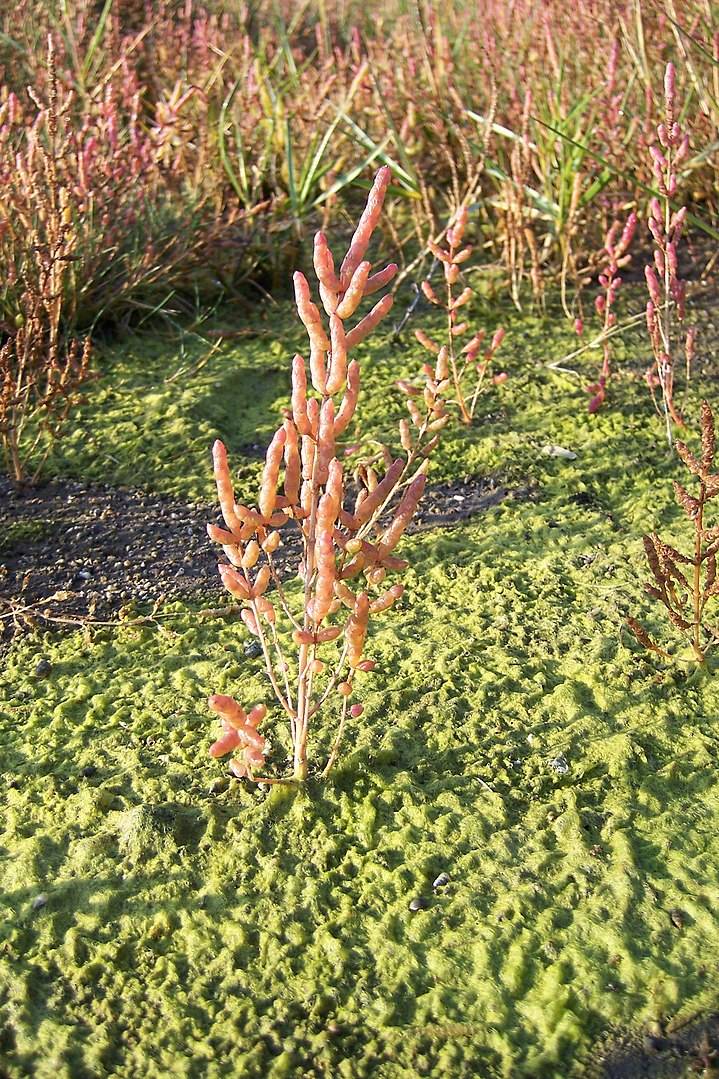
160,920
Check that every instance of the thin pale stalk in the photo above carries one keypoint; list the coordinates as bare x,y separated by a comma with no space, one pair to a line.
698,529
334,752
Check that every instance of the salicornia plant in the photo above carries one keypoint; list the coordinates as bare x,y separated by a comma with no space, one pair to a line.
687,583
667,291
462,374
346,553
616,246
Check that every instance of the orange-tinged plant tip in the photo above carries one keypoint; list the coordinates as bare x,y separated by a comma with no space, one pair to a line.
378,495
256,714
250,621
227,708
378,280
235,584
262,581
404,513
272,542
221,535
299,396
387,599
324,263
345,689
309,313
271,473
464,297
428,292
251,555
426,340
369,322
440,253
355,291
499,336
225,743
366,225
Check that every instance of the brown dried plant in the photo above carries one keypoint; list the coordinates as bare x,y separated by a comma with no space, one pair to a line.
346,554
452,369
40,373
686,584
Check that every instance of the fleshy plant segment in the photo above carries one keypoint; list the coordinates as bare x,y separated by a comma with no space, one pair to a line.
461,374
667,292
346,553
616,250
686,584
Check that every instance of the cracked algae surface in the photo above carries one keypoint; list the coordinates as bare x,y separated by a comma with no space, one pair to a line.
156,922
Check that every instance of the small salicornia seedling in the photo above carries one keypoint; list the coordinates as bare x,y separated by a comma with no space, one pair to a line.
452,368
667,292
616,247
346,553
686,583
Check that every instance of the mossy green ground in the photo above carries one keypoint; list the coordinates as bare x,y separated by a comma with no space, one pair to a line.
187,933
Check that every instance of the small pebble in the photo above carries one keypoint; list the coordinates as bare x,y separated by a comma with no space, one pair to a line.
559,451
39,901
441,880
253,649
656,1045
43,667
559,765
419,903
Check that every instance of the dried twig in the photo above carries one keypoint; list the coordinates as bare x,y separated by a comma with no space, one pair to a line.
686,584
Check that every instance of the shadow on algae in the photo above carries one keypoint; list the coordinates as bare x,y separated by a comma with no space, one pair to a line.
160,921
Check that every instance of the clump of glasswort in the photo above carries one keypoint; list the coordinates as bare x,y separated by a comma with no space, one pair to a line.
346,553
451,371
685,584
40,370
667,292
616,250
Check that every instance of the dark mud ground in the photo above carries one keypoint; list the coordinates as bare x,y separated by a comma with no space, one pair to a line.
691,1050
72,552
